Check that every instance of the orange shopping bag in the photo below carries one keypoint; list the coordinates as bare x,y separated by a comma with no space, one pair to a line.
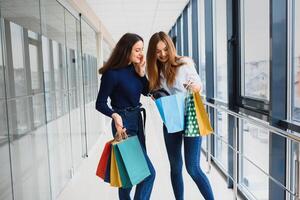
202,117
102,166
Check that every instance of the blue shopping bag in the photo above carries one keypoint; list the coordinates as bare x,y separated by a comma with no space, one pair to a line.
134,160
171,110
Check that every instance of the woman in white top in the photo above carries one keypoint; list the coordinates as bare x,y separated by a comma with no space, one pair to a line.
173,73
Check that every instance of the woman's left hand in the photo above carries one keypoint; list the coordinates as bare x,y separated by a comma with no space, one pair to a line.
192,87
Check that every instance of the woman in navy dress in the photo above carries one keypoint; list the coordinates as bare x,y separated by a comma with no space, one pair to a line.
123,81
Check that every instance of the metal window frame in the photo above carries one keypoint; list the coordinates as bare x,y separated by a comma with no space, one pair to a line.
185,34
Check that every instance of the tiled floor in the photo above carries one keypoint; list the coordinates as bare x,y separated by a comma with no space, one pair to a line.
86,186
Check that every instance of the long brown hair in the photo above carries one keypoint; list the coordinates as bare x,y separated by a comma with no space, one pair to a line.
121,53
155,67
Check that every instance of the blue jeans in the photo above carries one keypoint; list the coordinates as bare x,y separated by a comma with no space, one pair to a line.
133,122
192,148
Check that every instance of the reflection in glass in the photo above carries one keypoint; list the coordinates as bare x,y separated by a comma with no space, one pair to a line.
49,85
296,61
294,156
30,166
2,83
38,109
256,64
25,13
33,35
220,49
18,114
50,106
221,148
255,147
52,18
34,68
57,65
17,43
5,178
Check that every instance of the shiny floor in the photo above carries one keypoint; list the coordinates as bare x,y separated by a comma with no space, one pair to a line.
86,185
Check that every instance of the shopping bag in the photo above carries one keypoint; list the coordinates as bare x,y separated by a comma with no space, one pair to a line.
134,159
202,117
107,171
102,165
121,167
191,122
171,110
115,179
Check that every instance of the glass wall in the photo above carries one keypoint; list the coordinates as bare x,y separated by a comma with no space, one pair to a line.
255,59
76,103
90,80
57,94
44,103
26,113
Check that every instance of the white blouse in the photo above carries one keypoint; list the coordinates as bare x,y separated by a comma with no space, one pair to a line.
185,73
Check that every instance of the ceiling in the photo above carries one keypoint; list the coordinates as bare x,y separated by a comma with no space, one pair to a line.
143,17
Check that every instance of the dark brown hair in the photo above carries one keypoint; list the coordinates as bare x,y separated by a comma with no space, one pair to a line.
155,67
121,53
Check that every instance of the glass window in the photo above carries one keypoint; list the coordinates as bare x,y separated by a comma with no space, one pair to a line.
201,40
220,49
19,74
296,61
254,145
34,67
256,49
221,149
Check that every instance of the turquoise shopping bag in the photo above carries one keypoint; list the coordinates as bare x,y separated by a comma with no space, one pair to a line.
171,110
134,160
126,183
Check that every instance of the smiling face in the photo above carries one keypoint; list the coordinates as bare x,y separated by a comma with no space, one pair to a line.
137,52
162,52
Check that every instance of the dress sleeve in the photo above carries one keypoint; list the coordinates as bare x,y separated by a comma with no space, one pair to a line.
191,73
145,82
108,82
